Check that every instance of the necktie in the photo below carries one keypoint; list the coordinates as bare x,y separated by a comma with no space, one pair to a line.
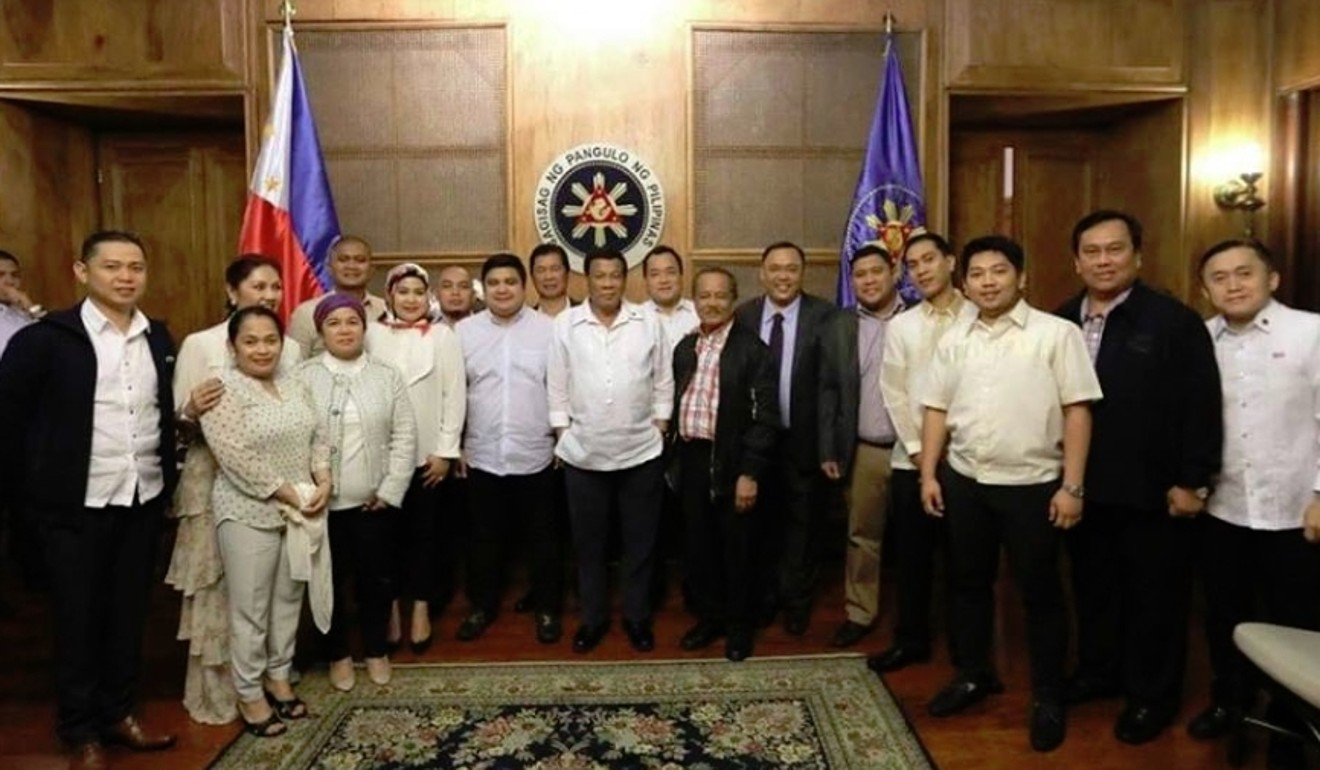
777,340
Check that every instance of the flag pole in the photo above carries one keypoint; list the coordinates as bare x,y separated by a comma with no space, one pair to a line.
889,31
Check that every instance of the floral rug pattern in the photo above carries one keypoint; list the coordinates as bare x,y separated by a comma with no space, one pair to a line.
792,713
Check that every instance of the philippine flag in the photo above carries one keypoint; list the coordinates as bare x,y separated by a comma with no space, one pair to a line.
290,214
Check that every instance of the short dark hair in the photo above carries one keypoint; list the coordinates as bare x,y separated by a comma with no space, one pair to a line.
605,255
662,249
1001,244
99,237
548,248
504,259
1106,215
1261,250
716,270
938,240
247,264
802,255
871,250
10,257
236,320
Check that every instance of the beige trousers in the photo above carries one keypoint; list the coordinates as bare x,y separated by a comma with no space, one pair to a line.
867,498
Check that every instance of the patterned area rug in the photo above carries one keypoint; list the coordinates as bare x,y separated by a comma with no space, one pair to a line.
795,713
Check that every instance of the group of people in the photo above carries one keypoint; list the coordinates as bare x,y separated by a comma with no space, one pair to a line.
316,456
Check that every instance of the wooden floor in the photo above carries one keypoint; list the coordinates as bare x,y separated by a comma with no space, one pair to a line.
991,736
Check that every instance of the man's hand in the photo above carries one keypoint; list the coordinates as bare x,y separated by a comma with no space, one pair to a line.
831,470
932,497
661,425
744,494
203,398
1065,510
320,499
1183,502
15,297
375,504
434,471
1311,522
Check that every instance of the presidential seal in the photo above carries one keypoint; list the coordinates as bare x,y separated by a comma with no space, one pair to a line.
600,196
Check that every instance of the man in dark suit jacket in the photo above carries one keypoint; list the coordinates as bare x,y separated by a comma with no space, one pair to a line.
856,434
724,432
1155,450
794,325
87,395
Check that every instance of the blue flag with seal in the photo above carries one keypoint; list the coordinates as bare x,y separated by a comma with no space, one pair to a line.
889,205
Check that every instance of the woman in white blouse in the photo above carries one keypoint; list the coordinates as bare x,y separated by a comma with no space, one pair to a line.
430,358
372,437
275,469
195,568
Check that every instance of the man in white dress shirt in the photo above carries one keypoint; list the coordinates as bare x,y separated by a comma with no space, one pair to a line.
350,270
611,394
1260,550
662,268
86,395
510,448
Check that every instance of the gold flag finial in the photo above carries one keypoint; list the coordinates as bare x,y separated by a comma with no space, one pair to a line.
288,11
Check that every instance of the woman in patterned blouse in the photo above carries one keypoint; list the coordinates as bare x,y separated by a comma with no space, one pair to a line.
274,464
372,435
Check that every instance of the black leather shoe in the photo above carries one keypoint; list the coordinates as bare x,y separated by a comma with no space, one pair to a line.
702,635
897,657
473,626
961,693
523,604
796,622
1049,726
1081,688
548,628
849,633
738,646
1214,722
587,637
639,635
765,616
1140,724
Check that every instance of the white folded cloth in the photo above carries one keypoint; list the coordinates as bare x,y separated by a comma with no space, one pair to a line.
308,547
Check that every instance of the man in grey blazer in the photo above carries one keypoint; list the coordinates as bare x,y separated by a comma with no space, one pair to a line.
794,325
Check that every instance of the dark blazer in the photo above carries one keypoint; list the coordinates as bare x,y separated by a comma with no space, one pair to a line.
47,395
814,318
840,391
1160,423
747,423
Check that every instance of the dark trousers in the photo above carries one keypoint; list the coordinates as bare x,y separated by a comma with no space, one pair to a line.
787,560
451,539
592,497
414,541
981,517
501,508
917,537
99,563
360,546
718,542
1131,577
1253,575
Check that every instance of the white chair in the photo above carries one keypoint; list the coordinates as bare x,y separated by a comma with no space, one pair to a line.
1289,660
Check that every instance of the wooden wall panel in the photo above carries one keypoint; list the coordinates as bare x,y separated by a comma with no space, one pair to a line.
582,72
49,202
1228,109
44,41
1022,44
1296,53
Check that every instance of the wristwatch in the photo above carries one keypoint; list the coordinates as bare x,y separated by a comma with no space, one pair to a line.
1076,490
1202,493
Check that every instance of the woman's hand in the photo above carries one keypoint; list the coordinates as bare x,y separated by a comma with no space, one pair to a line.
434,470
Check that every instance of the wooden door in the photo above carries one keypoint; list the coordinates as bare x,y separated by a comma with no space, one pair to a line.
1052,185
183,194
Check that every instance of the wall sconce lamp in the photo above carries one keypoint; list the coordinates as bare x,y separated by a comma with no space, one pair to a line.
1240,194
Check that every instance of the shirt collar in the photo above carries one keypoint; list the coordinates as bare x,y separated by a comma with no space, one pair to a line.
1120,299
627,312
684,305
716,337
789,311
887,313
955,307
1016,317
338,366
1263,321
97,322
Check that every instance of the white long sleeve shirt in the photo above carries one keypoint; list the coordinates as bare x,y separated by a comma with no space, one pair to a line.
607,386
1271,379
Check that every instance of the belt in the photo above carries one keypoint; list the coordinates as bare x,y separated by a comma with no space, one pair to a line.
877,444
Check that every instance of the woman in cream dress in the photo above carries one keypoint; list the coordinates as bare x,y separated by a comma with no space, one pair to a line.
195,569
